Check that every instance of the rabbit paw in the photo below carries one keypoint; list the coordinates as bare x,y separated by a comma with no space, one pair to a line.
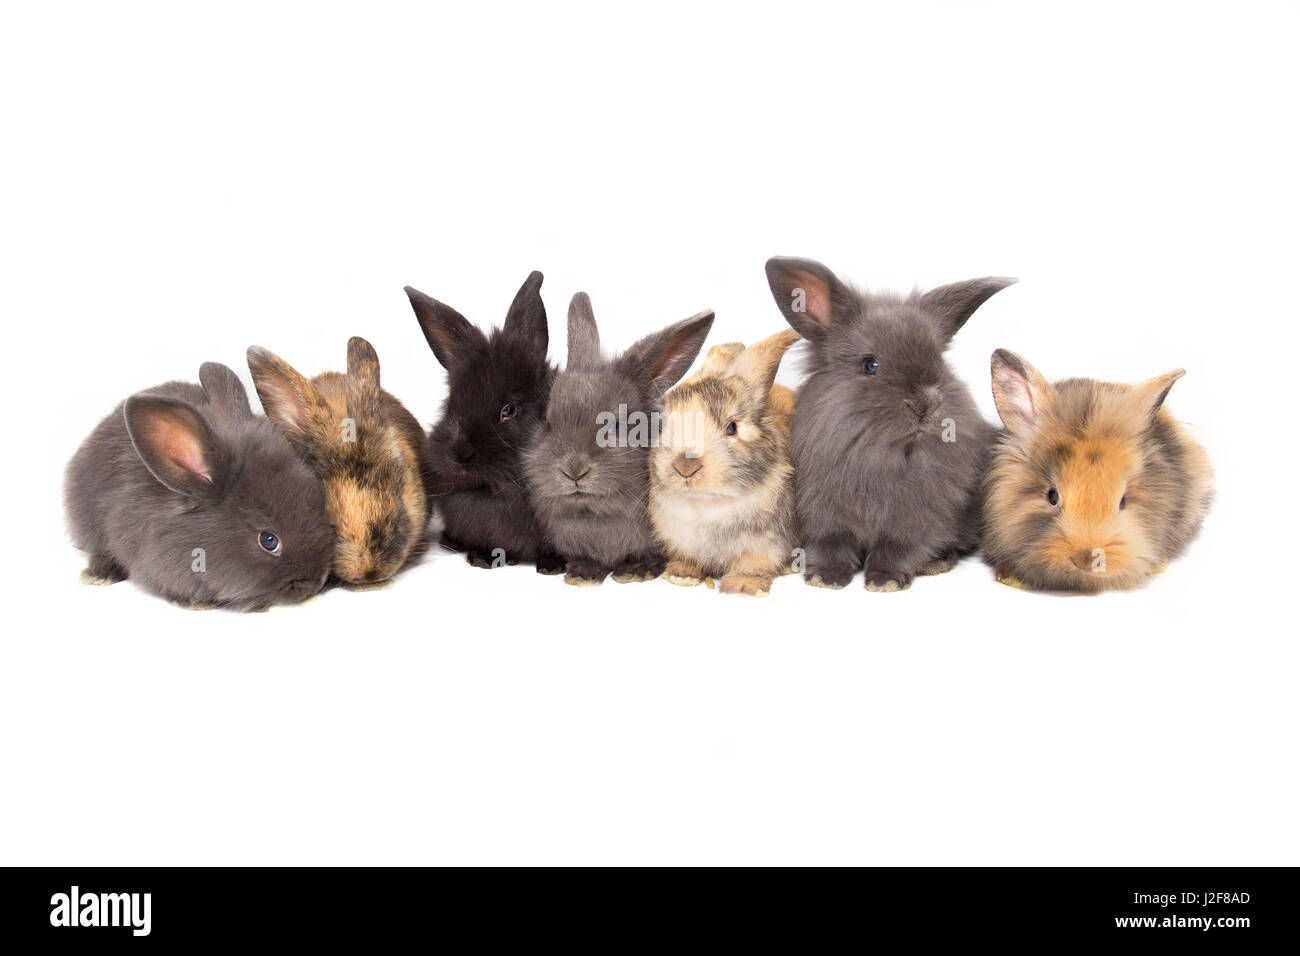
480,559
683,574
643,569
102,571
754,585
885,581
584,574
1011,581
549,563
824,581
940,565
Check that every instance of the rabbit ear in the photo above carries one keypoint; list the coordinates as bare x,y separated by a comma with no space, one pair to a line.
449,334
951,305
807,293
757,365
584,337
1151,394
526,320
175,444
1019,391
719,359
290,400
362,387
664,356
226,393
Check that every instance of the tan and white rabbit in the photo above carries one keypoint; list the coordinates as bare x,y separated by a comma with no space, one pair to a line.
721,482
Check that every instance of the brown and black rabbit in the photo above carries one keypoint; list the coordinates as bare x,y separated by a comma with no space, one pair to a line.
369,451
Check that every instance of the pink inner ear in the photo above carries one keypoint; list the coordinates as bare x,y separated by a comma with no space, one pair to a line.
284,401
817,298
181,446
1015,391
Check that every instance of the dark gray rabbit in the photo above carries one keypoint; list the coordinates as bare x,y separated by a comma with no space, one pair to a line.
188,493
888,445
588,472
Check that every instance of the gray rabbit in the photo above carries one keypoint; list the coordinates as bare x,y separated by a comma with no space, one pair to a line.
188,493
588,471
888,446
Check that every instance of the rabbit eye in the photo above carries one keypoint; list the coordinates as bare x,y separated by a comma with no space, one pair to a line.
1123,501
870,365
731,428
1053,498
269,543
509,411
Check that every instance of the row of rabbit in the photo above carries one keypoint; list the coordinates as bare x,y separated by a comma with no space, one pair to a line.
879,463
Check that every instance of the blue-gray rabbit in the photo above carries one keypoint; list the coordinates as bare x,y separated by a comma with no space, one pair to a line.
185,491
588,472
888,446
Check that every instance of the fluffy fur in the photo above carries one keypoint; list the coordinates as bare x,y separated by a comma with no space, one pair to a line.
1130,485
183,467
876,483
721,481
498,386
592,499
369,451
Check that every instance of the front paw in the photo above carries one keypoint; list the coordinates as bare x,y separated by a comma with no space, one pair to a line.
940,565
886,581
754,585
683,574
480,559
825,580
642,569
549,563
1011,581
584,574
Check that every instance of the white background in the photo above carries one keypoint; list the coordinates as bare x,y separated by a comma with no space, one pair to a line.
181,183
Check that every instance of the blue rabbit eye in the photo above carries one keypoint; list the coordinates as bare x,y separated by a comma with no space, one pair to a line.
269,542
509,411
870,365
1053,498
731,428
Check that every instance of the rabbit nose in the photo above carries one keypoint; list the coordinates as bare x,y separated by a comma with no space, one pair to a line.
1084,560
686,466
575,472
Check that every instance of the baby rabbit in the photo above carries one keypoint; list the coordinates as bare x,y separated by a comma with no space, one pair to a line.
1092,485
497,391
888,446
588,471
721,482
185,491
369,451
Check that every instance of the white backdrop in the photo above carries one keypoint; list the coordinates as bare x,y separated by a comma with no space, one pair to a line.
179,184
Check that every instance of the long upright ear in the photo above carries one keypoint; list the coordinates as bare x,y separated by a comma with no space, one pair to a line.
807,293
664,356
526,320
719,359
1151,394
226,393
757,365
290,400
451,336
1019,390
951,305
362,387
175,444
584,337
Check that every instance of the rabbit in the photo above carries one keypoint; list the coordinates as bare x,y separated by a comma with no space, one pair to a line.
1092,485
368,450
588,471
498,386
721,481
188,493
888,446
